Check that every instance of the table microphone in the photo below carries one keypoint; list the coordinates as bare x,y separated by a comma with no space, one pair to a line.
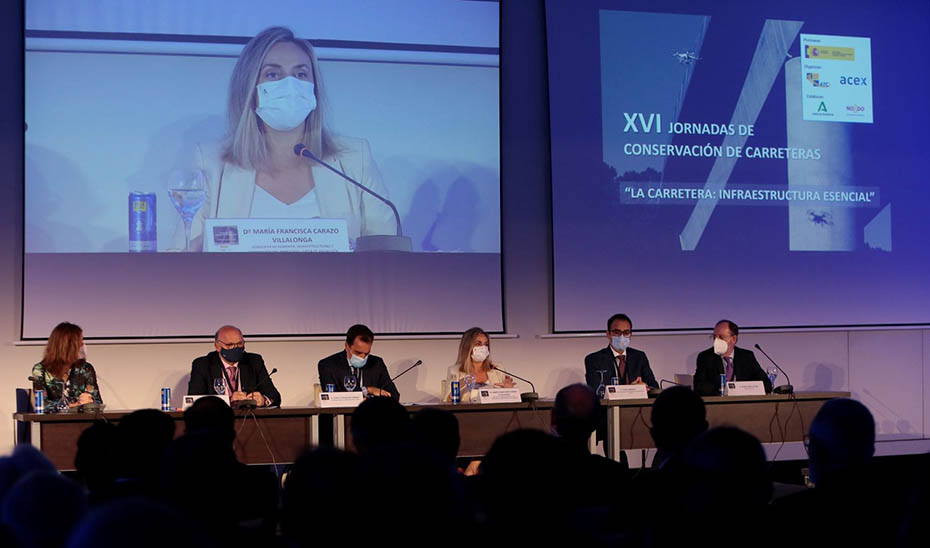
250,403
401,374
785,388
525,396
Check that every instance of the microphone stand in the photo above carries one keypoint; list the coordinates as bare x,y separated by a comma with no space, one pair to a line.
374,242
525,396
250,403
785,388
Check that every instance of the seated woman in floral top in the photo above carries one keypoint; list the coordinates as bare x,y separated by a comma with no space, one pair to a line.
64,374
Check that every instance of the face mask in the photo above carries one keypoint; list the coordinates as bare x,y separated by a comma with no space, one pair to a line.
720,347
232,355
479,354
284,104
82,354
620,343
357,362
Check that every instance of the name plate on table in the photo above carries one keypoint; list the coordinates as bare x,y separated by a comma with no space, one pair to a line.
290,235
339,399
626,392
498,395
745,388
189,400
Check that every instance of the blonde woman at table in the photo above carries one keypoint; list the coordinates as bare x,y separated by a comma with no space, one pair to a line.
473,367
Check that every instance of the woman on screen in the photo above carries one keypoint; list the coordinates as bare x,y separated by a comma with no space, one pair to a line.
276,101
473,367
64,374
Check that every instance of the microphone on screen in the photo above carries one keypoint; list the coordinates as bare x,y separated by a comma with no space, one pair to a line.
397,242
525,396
401,374
785,388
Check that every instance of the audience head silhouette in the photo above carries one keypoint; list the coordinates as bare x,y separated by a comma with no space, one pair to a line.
576,413
678,417
379,421
841,440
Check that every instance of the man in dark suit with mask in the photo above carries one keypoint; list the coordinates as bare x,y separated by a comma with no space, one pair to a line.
242,374
725,358
631,366
357,361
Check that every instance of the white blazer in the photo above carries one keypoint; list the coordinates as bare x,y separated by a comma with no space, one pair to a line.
230,190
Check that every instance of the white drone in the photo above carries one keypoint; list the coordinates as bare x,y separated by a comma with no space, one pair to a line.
686,57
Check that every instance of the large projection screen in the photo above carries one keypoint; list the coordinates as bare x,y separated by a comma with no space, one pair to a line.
763,162
133,96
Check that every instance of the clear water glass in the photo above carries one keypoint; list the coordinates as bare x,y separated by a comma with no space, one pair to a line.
773,374
188,192
219,386
601,389
349,382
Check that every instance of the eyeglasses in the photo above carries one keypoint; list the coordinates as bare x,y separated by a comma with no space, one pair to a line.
237,344
617,332
724,339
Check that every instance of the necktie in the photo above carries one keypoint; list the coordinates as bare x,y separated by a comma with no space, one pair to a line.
729,361
621,367
233,373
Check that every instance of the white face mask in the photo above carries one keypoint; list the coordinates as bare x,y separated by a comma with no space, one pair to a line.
479,354
284,104
720,347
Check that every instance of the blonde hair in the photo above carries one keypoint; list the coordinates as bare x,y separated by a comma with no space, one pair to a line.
245,140
465,345
63,349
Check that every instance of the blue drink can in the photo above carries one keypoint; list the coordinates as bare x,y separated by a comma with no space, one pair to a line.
330,387
614,381
166,399
723,384
40,402
456,392
142,227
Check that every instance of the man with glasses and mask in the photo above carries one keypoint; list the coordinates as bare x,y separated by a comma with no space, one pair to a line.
230,369
725,358
618,360
356,368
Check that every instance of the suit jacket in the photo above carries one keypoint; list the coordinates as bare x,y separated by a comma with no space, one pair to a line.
710,367
252,371
230,190
637,365
333,370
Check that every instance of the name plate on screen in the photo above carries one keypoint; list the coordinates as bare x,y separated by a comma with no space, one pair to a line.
498,395
626,392
264,235
339,399
745,388
189,400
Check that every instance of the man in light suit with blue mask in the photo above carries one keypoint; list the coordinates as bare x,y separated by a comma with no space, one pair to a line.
356,368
